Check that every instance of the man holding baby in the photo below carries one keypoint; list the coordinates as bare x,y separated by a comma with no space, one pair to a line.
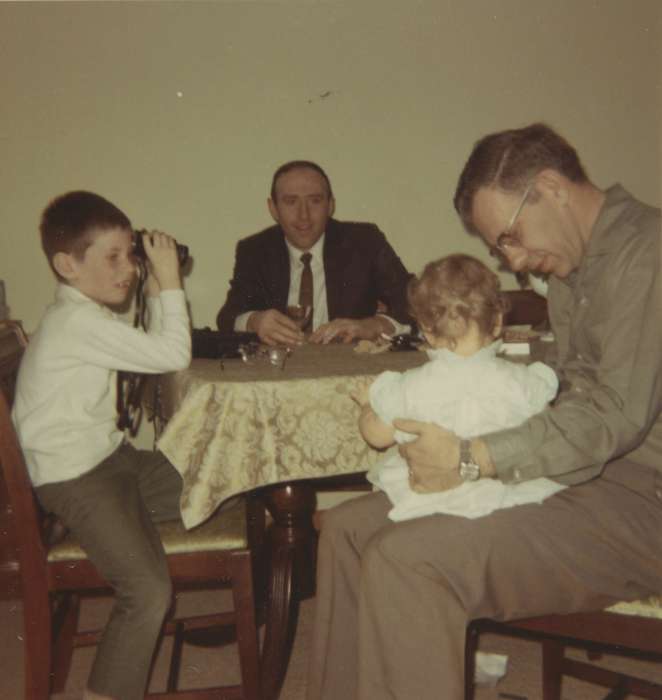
394,598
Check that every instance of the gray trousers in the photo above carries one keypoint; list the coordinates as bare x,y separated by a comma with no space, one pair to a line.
394,599
111,510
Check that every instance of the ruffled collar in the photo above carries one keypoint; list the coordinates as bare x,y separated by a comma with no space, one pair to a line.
489,352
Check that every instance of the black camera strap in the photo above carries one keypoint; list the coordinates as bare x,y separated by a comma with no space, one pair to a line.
130,384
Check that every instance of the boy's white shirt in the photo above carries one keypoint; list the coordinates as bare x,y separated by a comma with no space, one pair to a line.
65,404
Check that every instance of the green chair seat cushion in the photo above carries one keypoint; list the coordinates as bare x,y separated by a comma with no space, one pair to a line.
646,607
224,531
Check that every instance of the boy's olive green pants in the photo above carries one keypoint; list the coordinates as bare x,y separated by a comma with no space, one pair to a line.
111,510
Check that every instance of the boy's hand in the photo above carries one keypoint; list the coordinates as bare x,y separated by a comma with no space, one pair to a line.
163,264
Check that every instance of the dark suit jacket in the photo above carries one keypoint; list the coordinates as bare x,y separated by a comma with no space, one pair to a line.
360,267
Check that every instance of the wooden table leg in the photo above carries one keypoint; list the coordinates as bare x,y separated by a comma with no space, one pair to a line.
290,547
291,541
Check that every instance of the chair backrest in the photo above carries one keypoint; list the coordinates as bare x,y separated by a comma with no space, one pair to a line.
25,519
526,307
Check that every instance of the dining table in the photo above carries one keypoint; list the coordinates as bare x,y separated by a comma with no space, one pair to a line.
273,424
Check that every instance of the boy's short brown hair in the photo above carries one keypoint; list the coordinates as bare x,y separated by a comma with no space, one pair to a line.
451,292
68,222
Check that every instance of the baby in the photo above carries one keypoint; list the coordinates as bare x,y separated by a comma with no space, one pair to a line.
464,387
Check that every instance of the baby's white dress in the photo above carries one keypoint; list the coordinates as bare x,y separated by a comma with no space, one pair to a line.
471,396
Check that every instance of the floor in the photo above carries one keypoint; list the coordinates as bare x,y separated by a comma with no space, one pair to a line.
203,667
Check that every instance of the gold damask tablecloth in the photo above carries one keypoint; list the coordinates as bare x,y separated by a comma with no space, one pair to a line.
244,426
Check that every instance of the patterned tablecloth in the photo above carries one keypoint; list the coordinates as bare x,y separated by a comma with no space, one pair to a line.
243,426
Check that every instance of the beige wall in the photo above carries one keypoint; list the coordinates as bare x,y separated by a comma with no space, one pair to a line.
179,112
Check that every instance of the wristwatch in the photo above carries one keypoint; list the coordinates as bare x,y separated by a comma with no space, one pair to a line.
469,469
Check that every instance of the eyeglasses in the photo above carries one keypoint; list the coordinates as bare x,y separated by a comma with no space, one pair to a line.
508,239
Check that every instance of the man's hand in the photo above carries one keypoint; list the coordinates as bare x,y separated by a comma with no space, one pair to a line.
433,458
361,394
345,330
275,328
163,264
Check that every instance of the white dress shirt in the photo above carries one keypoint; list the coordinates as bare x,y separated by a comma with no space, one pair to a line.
65,404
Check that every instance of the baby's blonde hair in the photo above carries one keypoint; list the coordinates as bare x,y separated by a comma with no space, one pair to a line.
452,292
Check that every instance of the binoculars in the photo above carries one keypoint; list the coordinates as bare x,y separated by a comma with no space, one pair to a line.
139,248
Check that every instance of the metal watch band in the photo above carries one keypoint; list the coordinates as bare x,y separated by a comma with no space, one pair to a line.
469,469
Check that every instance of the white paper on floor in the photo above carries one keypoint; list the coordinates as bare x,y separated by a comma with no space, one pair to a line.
490,668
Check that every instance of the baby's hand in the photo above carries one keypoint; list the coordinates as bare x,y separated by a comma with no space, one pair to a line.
362,393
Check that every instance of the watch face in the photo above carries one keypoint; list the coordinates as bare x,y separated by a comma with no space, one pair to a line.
469,471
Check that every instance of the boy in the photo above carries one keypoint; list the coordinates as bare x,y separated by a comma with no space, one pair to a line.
105,491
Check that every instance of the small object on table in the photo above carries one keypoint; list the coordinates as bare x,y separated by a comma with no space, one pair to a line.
274,355
395,343
523,348
372,347
404,342
210,344
517,340
277,356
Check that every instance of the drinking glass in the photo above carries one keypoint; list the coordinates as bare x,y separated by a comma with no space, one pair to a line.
299,314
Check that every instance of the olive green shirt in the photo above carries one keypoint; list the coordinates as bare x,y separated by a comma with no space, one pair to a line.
607,321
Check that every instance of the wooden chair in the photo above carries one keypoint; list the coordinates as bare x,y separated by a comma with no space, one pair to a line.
526,307
54,579
626,629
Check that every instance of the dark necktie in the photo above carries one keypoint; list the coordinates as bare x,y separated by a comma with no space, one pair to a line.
306,290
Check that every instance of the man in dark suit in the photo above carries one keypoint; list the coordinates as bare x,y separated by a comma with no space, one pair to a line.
350,271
